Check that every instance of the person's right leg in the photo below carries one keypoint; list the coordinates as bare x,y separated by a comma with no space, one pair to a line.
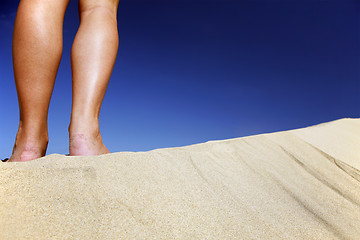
37,49
92,59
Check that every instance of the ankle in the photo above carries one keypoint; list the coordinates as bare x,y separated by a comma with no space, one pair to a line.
31,137
84,128
83,144
29,145
27,153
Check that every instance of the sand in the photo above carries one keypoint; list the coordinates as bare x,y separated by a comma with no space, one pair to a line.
297,184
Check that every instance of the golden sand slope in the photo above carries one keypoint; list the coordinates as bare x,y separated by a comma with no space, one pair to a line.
299,184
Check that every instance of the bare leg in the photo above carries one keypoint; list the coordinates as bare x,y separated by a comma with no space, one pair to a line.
37,49
92,59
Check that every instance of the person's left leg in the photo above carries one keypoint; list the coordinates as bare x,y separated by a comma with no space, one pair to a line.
37,50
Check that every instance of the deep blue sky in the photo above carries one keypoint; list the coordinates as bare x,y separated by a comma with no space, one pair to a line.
190,71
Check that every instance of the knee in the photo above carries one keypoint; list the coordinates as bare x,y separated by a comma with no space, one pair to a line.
107,6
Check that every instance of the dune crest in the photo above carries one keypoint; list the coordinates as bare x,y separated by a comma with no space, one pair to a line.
296,184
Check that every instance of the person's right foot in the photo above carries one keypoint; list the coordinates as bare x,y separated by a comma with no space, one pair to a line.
86,145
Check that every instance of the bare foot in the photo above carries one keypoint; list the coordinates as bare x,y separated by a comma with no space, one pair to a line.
28,148
24,154
86,145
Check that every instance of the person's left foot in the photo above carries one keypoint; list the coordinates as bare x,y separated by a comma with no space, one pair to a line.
28,147
24,154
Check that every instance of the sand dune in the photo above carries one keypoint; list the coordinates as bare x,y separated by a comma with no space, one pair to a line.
298,184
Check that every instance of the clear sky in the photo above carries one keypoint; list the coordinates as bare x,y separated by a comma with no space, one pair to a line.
190,71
